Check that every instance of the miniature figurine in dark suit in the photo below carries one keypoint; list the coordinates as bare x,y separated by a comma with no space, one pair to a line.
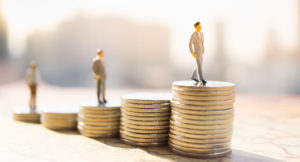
197,50
32,79
100,76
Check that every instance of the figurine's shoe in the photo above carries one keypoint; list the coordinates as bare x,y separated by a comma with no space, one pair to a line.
204,81
104,100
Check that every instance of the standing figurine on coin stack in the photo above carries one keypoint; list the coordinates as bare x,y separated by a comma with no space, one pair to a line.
30,114
145,119
102,118
63,117
202,113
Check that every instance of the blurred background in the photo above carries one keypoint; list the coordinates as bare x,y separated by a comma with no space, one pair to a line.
253,43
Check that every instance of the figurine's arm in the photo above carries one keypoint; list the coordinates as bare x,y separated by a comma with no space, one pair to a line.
97,77
191,46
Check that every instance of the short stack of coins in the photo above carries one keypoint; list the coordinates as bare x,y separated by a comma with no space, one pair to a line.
99,120
24,114
145,118
62,117
202,118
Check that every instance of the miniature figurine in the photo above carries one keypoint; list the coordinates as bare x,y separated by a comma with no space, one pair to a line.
197,50
100,76
32,79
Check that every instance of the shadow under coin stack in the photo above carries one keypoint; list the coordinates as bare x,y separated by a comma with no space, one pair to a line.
145,119
60,117
202,118
99,120
24,114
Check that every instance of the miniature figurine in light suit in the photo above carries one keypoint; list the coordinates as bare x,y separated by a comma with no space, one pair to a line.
32,79
100,76
197,50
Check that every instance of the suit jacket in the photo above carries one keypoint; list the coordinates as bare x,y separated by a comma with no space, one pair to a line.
196,44
32,76
99,67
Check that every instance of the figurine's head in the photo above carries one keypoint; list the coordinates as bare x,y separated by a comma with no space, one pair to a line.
197,26
100,53
33,65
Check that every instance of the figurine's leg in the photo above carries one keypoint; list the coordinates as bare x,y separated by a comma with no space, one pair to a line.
103,91
34,90
199,64
195,75
98,91
31,97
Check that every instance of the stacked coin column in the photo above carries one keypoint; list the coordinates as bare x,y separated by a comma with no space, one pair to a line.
99,120
145,119
60,117
201,118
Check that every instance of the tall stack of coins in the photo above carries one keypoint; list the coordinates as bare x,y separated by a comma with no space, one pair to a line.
63,117
24,114
99,120
202,118
145,119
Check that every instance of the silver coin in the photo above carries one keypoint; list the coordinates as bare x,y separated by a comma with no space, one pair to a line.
209,86
146,98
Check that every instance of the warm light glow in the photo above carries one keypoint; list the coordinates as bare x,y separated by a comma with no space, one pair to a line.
245,21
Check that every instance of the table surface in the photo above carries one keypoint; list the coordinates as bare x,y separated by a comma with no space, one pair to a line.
266,128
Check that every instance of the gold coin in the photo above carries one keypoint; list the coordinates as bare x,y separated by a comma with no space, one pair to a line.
92,131
145,127
203,112
61,110
201,93
57,121
143,143
200,150
201,131
199,141
201,136
92,127
201,122
146,140
149,114
153,118
96,116
140,135
202,98
37,117
200,107
199,153
59,127
91,135
116,123
143,130
59,116
27,120
209,86
153,122
146,110
203,103
98,120
146,106
97,135
94,106
203,117
146,98
202,145
99,113
207,127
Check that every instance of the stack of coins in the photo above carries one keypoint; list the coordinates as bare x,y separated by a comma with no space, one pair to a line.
60,117
145,119
202,118
99,120
25,114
